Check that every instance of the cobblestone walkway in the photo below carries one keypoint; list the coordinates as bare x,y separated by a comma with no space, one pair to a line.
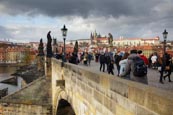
153,76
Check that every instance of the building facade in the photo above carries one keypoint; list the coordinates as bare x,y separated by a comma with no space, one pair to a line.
13,53
135,41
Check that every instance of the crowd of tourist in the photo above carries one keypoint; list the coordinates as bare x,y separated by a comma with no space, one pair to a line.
132,66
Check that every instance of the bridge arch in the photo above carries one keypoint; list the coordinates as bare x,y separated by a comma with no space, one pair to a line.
63,105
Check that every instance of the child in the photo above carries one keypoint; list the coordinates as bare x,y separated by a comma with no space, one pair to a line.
111,67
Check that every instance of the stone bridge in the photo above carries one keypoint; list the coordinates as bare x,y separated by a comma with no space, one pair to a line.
84,92
92,93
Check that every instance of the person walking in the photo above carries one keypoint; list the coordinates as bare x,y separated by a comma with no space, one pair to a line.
97,55
73,59
149,60
130,68
108,61
160,68
168,69
85,60
154,60
102,61
123,63
117,58
111,67
89,58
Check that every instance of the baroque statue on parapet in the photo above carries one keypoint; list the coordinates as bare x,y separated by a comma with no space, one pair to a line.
110,39
49,45
41,48
76,47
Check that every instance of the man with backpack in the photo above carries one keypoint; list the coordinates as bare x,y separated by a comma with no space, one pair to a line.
136,68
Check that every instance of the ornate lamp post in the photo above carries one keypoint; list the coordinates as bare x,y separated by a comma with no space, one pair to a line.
64,34
165,33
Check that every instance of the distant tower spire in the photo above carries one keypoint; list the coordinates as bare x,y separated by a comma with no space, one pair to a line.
95,34
91,36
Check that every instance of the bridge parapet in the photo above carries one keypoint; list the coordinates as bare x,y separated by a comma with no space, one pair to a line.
92,93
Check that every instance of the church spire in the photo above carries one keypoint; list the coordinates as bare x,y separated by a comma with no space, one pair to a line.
91,36
95,35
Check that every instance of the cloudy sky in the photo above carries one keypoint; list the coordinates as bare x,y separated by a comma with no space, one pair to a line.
30,20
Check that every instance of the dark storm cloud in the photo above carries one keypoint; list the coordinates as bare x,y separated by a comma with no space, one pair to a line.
79,7
129,18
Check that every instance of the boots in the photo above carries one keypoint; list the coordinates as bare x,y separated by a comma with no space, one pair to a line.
161,82
169,79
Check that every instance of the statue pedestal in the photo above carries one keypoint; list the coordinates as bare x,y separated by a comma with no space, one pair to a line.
40,63
110,48
48,68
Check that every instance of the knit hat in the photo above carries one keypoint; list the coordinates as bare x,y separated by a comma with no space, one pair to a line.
139,51
133,51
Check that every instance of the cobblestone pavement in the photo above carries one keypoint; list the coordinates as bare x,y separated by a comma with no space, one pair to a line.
153,76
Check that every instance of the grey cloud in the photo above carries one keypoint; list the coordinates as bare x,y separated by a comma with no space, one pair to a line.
139,17
142,12
4,33
23,34
79,7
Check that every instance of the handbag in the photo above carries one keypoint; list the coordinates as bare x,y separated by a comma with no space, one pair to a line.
167,68
159,68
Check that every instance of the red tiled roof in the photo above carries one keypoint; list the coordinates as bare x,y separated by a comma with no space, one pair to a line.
156,38
103,38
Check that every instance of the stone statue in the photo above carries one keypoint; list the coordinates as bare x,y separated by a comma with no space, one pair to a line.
76,47
110,39
40,48
49,45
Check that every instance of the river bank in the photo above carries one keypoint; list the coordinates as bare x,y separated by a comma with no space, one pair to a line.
5,73
11,64
16,77
29,73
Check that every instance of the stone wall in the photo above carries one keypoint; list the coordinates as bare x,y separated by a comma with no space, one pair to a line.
23,109
92,93
34,99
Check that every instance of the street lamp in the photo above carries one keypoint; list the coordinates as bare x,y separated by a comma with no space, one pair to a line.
64,34
165,33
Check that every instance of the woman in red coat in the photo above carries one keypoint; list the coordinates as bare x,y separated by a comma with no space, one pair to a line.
143,57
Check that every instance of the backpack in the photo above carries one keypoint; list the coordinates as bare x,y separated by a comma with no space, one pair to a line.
117,59
140,69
